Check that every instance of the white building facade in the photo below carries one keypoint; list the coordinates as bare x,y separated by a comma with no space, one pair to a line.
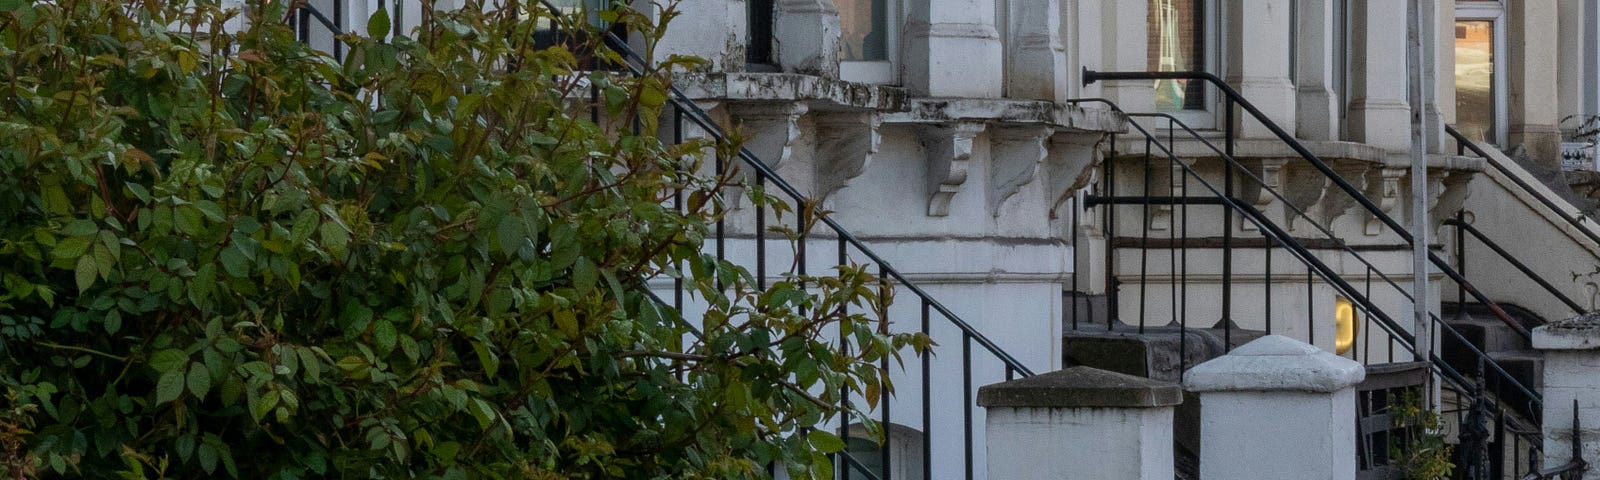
1070,219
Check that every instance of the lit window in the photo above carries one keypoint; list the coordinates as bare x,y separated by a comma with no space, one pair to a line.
1475,77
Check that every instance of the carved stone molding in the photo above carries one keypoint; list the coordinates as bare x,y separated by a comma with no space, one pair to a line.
1337,203
1448,189
1070,166
1384,186
846,143
771,130
949,152
1306,188
1016,154
1269,171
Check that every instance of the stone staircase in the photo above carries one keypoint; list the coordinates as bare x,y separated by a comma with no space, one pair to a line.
1481,329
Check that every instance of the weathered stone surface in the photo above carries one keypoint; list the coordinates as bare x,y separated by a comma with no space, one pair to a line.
1081,387
1274,363
1577,333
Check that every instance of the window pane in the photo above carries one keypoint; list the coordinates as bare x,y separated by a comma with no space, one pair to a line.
1176,43
1475,79
863,23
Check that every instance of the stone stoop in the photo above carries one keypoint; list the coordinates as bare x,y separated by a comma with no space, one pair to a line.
1482,330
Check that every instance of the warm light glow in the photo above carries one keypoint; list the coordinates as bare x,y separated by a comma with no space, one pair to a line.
1345,326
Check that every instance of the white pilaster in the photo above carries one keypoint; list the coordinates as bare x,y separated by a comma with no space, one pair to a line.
953,49
1379,114
1258,61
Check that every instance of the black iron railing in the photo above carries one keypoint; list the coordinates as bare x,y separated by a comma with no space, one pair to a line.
980,360
1504,388
1465,229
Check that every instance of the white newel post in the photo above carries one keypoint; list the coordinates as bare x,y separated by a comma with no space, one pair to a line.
1571,357
1080,423
1277,408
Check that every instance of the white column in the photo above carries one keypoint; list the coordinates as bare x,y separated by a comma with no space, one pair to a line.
1531,73
1036,67
953,49
1277,408
1317,108
1258,61
807,34
1124,47
1571,358
1573,52
1080,423
1379,114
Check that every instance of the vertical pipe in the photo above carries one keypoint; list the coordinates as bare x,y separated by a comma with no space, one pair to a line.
761,235
1110,233
1227,230
1144,240
1311,307
927,400
966,396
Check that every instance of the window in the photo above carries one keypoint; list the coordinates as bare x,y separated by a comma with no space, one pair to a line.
758,31
866,39
1480,46
1178,43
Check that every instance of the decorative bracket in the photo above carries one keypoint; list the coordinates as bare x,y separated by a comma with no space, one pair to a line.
1016,154
1388,195
949,151
846,143
1449,190
771,130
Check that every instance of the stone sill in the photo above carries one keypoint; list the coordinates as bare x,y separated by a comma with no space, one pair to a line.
893,102
791,87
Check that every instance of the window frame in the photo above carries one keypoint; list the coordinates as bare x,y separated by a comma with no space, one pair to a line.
886,71
1494,12
1210,117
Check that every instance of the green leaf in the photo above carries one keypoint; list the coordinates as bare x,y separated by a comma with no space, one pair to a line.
304,225
169,386
234,262
113,322
511,234
383,333
583,276
80,228
71,248
265,405
85,272
208,458
168,360
335,238
825,442
378,24
199,380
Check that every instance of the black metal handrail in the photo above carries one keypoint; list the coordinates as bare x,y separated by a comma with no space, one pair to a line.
1463,145
1234,97
1576,465
1512,259
1455,379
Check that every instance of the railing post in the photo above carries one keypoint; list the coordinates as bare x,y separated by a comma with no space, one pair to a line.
1062,425
1571,392
1277,408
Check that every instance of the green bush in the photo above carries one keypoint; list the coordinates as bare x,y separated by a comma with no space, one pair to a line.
225,254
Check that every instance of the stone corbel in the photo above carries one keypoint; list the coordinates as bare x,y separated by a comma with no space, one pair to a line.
1070,166
1338,203
1448,189
1270,171
846,143
1386,189
1016,154
771,131
1305,188
949,153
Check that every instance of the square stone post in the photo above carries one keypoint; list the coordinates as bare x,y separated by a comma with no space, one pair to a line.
953,49
1277,408
1080,423
1571,357
1379,113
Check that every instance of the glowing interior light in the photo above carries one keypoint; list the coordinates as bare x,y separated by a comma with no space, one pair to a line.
1345,326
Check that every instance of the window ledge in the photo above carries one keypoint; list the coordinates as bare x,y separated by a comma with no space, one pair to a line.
792,87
